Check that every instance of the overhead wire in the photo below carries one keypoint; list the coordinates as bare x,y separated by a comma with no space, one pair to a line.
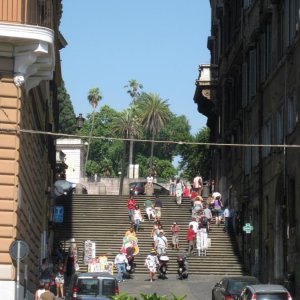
60,135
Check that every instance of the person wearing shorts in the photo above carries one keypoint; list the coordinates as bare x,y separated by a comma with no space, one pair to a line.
175,235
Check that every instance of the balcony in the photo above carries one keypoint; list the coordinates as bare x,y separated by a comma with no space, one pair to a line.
205,84
27,35
29,12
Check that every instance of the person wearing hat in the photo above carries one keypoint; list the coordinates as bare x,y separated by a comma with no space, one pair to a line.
175,236
152,262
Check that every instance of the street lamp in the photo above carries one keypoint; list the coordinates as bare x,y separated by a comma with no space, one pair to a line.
79,121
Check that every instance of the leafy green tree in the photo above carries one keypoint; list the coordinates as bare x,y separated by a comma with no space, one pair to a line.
101,149
154,113
67,118
94,97
196,159
122,125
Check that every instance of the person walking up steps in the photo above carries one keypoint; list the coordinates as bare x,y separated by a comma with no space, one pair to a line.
190,236
152,262
179,191
208,215
218,204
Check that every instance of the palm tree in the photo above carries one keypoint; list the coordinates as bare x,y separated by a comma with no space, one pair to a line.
94,97
133,90
123,126
154,113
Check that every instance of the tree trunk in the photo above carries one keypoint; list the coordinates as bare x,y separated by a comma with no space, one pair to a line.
152,151
122,169
131,151
90,138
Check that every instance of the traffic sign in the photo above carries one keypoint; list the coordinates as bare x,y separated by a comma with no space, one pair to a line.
248,228
58,214
18,250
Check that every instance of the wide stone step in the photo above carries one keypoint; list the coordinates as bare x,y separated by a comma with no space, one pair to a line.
104,220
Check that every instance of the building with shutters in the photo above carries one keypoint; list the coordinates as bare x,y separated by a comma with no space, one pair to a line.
252,102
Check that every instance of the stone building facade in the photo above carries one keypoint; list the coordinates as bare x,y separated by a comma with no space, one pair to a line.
253,107
29,75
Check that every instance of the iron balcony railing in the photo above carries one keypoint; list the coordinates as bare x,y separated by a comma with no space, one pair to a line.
29,12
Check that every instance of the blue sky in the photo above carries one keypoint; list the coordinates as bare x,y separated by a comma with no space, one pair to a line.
159,43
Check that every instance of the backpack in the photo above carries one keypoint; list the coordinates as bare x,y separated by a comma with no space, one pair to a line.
204,221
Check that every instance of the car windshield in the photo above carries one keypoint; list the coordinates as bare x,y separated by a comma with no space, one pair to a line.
87,286
108,287
272,296
236,287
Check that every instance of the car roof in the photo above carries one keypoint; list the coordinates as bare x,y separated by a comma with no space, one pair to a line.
259,288
95,274
239,278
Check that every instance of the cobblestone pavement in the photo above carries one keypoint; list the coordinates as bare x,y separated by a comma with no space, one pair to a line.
195,287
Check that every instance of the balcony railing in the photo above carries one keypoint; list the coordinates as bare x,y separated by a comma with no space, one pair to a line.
29,12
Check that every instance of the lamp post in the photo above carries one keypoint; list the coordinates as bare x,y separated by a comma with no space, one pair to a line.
79,121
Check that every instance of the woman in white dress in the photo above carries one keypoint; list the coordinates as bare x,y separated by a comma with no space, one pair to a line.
152,262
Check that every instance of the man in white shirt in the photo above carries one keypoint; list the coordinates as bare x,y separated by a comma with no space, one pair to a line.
120,262
226,219
161,243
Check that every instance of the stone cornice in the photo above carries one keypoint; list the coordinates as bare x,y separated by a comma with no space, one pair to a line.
33,50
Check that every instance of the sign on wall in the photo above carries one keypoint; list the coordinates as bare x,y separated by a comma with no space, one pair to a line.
58,214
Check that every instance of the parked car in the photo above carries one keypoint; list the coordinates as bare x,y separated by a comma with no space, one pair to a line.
95,285
230,287
138,188
265,292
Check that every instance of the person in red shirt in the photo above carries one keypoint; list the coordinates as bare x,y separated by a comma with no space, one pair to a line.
190,236
130,205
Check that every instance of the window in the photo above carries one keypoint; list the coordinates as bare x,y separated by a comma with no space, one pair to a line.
278,130
252,72
292,202
247,160
291,114
266,138
245,85
108,287
88,286
254,151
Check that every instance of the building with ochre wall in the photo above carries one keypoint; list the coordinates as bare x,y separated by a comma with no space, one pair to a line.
254,102
29,76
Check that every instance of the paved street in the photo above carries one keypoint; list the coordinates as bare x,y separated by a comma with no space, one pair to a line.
195,287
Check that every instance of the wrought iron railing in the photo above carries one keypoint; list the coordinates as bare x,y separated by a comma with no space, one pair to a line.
30,12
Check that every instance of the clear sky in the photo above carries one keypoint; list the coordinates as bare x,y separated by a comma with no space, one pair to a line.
159,43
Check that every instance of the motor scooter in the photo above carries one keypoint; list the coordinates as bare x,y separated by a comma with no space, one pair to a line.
163,266
183,267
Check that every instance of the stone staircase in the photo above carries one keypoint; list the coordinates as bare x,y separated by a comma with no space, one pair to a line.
104,220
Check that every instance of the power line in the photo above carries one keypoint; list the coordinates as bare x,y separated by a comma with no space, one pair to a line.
60,135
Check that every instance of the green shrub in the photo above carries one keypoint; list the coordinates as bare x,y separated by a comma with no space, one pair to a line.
124,296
